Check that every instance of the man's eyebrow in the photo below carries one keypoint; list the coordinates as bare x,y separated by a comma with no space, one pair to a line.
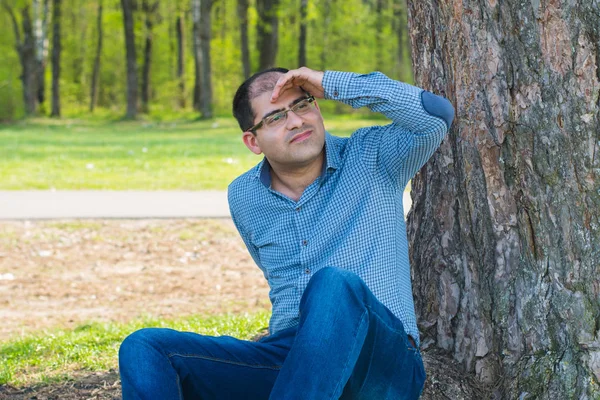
294,102
272,112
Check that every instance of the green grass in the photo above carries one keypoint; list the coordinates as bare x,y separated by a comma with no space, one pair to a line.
57,355
132,155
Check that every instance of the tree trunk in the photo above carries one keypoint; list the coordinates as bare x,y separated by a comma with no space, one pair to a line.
206,72
399,26
267,33
181,58
25,47
40,17
96,71
302,38
202,34
242,11
398,14
328,10
504,230
197,52
56,48
379,35
149,14
79,23
132,78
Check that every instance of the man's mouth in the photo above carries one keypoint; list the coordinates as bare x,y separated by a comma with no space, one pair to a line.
300,137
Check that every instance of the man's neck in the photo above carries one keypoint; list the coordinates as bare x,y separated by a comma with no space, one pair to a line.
293,181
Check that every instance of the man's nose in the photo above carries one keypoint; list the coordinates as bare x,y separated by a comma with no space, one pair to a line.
293,121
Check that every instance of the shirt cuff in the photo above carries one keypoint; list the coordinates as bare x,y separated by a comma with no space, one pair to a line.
336,84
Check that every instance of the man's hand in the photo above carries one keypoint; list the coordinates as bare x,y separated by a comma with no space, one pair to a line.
305,78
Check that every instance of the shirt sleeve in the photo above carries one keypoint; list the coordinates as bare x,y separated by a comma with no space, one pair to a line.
420,120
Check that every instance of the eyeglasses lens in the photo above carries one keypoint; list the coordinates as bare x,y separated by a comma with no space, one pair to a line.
300,108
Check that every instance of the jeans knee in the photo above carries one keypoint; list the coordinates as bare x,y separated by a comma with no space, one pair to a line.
136,344
336,281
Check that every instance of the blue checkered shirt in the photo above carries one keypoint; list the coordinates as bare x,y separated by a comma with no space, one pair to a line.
352,216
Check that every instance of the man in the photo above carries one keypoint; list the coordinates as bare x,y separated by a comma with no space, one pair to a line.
323,218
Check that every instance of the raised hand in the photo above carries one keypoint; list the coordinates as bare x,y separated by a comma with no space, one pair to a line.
309,80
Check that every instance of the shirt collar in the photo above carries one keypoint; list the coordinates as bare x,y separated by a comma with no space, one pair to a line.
332,161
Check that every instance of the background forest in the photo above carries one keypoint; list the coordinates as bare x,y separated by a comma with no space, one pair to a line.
85,43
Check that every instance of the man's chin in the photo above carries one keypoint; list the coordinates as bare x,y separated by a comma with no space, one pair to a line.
309,156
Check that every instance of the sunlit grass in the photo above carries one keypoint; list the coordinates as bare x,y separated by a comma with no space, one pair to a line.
132,155
56,355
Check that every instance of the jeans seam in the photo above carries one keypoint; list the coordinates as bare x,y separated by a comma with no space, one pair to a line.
403,332
362,317
258,366
374,312
178,384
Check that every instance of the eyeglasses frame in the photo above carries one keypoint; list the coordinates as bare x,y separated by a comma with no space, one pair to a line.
311,99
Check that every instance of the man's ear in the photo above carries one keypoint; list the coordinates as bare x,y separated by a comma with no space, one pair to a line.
251,142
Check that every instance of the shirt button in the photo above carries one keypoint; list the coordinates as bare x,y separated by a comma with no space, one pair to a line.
298,208
304,242
307,271
335,93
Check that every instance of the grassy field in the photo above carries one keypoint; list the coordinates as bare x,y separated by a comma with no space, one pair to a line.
137,155
55,355
82,154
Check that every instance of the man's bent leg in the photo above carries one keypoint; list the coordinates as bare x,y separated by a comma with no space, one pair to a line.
348,345
166,364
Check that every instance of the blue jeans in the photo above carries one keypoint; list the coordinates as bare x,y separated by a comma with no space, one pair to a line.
347,345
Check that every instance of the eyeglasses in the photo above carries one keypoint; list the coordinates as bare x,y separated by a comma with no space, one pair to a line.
302,107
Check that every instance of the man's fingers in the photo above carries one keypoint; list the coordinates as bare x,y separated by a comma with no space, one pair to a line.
305,78
284,83
278,86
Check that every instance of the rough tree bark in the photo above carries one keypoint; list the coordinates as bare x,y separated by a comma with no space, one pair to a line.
267,32
56,49
202,33
504,231
25,47
302,37
242,12
97,58
132,76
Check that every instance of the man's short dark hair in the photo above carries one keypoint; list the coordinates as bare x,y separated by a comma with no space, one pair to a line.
257,84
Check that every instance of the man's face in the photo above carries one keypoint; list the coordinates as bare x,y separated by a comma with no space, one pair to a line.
297,142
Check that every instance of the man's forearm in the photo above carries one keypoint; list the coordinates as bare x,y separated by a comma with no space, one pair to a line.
410,107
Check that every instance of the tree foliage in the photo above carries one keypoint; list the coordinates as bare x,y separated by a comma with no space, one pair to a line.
339,35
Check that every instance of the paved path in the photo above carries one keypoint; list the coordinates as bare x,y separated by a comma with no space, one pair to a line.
117,204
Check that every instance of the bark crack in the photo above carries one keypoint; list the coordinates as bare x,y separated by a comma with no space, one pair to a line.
531,231
594,154
557,361
597,64
546,274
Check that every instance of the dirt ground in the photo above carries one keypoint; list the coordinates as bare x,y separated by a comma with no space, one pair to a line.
92,386
66,273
